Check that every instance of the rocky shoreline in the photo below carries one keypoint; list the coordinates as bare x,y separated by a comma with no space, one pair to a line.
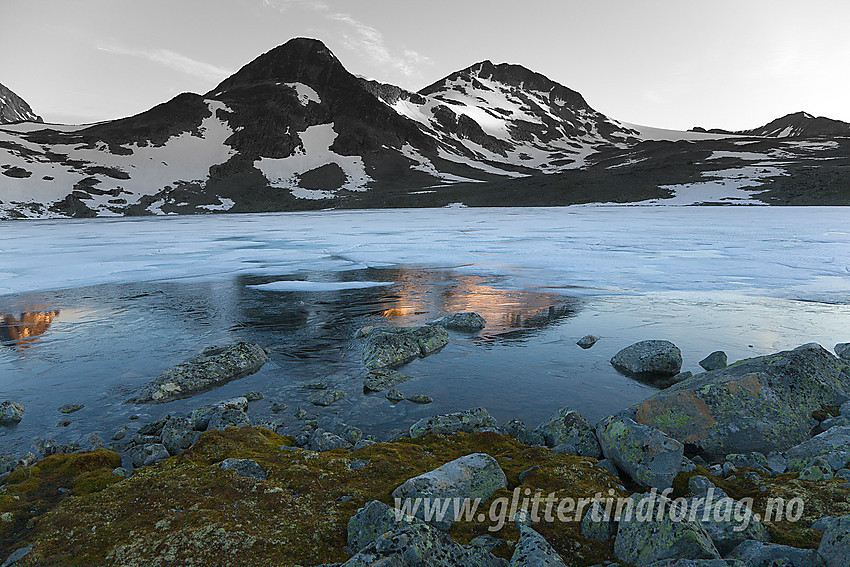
193,489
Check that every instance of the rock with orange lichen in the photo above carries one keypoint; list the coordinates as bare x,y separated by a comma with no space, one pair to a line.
760,404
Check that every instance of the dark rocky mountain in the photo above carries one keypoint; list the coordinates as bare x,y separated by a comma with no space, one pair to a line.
796,125
294,130
15,109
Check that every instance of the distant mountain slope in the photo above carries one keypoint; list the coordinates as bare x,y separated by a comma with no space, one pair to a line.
15,109
294,130
796,125
801,125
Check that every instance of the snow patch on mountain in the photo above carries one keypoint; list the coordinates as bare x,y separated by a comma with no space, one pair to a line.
305,94
314,152
735,186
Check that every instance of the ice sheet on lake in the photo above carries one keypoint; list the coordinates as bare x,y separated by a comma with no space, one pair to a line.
300,285
776,251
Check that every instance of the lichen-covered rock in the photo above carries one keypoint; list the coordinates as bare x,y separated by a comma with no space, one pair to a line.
754,460
835,545
817,470
431,338
244,467
647,455
567,427
723,528
392,347
148,455
420,545
700,563
474,476
177,435
446,424
642,542
833,445
327,397
532,550
213,367
70,408
761,404
200,417
322,440
842,350
587,341
598,526
467,321
652,358
760,554
517,429
11,413
394,395
223,419
714,361
420,399
372,520
380,380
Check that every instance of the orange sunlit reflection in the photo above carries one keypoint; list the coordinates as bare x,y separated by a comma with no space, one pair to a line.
26,328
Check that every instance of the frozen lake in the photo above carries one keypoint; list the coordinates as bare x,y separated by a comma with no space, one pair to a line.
93,309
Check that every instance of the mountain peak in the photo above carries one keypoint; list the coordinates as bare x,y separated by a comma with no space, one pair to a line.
301,59
15,109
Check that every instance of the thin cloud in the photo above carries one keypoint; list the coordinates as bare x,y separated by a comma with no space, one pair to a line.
370,42
174,60
363,38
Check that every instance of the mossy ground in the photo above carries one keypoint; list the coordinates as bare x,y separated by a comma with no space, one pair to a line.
186,511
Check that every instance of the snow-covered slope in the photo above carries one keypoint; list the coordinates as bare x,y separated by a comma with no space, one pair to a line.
508,118
15,109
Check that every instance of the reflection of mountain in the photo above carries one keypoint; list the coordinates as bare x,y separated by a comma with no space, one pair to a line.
27,327
308,322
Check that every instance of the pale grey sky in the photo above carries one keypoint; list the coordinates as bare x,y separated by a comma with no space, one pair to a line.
666,63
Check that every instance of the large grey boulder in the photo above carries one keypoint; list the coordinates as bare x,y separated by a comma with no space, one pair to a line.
200,417
760,404
177,435
474,476
649,358
567,427
597,525
372,520
228,418
419,545
450,423
760,554
517,429
843,351
647,455
148,454
390,347
468,321
642,541
835,544
11,413
213,367
833,445
714,511
532,550
322,440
